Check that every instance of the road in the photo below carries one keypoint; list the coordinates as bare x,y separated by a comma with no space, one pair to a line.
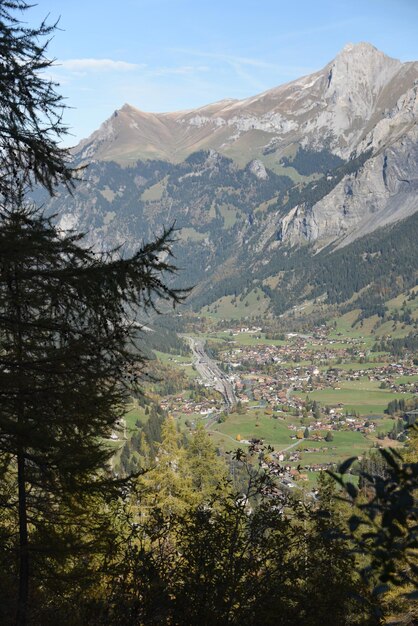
211,373
292,445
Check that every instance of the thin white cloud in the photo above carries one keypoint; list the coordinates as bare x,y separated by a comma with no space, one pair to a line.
98,65
252,81
239,62
299,34
182,70
225,57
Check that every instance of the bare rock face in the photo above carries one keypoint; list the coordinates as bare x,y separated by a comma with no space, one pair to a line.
383,191
257,168
355,82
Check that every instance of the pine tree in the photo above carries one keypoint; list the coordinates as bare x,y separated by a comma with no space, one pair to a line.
167,487
331,581
68,354
145,451
31,110
68,363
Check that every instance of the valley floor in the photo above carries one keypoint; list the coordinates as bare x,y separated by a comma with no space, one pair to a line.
316,398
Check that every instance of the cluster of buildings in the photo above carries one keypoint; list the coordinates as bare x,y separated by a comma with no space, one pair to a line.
279,377
181,404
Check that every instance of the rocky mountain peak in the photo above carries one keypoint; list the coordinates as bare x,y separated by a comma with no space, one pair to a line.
362,49
128,108
358,69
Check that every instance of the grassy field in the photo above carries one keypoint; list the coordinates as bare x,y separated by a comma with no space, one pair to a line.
254,424
255,303
405,379
384,424
396,303
191,234
371,328
172,359
344,445
190,371
250,339
177,361
361,384
355,366
344,328
155,192
331,346
224,442
108,194
135,413
190,418
357,396
343,324
229,213
395,330
276,433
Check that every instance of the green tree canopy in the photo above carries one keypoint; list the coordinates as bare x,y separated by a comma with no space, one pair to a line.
207,470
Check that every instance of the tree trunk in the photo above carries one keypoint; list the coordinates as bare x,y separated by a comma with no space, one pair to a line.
22,603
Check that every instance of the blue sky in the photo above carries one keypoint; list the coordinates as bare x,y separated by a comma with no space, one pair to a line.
165,55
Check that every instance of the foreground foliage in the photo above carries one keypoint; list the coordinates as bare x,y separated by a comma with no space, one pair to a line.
384,526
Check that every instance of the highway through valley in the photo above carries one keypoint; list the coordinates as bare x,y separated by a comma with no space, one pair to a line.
210,372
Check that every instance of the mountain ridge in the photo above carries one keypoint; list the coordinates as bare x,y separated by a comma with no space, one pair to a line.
361,84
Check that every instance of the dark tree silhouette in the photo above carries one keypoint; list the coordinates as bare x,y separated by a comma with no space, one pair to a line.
31,125
68,363
68,357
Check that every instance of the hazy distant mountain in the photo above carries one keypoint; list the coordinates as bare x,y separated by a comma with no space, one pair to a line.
321,163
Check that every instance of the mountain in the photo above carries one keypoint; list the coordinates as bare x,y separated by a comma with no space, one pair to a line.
335,108
268,191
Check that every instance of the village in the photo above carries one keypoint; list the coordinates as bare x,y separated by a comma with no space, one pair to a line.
278,382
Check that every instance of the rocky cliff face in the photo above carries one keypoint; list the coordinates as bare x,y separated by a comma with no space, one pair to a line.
384,191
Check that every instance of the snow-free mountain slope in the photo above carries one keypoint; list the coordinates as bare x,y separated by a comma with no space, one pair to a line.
335,108
310,187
